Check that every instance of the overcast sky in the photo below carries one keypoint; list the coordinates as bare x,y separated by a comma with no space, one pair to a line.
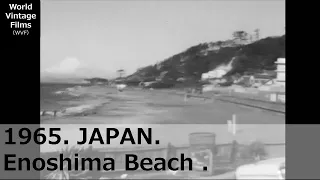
100,37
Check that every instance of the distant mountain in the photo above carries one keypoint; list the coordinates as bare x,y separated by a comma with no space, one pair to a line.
50,79
97,80
191,64
75,77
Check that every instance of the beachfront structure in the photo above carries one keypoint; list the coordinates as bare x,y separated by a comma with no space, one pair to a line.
120,87
263,80
248,80
85,82
281,71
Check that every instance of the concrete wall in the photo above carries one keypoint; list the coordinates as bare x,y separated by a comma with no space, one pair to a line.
255,94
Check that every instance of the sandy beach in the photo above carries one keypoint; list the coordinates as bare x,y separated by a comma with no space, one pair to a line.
160,107
166,112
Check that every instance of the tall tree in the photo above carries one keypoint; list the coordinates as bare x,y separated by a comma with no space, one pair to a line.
240,35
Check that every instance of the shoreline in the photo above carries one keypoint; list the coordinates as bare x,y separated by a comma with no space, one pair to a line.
166,111
107,103
151,108
246,133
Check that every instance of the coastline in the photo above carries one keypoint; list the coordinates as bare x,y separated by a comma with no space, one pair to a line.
138,108
164,111
169,105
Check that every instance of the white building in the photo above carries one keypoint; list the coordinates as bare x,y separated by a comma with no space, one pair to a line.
85,82
281,71
121,87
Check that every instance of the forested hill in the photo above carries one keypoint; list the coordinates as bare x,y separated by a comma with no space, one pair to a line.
190,64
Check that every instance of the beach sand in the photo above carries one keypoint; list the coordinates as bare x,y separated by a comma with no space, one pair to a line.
161,107
171,118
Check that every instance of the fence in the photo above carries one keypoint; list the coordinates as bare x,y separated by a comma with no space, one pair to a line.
272,97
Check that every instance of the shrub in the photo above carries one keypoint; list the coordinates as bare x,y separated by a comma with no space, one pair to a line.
254,150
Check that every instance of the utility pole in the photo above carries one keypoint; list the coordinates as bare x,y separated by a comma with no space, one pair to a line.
232,128
121,73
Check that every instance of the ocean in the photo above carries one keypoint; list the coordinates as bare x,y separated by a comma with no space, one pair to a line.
52,98
62,100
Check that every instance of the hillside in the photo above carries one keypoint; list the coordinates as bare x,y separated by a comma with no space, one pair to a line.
188,66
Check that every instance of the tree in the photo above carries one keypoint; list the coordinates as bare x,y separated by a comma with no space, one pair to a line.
240,35
219,43
257,150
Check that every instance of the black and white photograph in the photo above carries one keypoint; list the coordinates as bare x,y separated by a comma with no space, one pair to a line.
180,89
